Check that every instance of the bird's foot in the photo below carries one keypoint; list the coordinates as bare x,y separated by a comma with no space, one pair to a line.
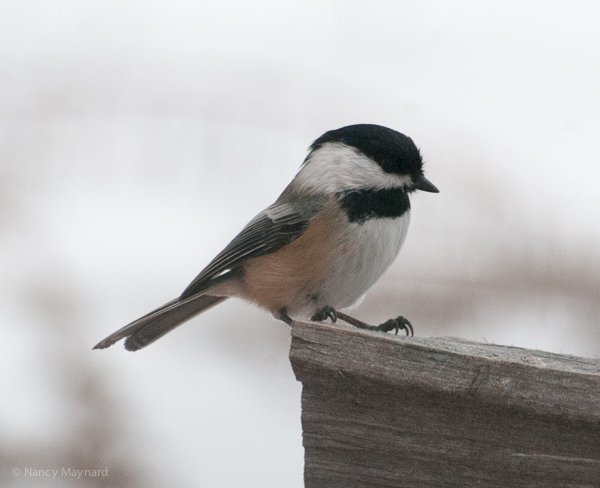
283,316
399,323
326,312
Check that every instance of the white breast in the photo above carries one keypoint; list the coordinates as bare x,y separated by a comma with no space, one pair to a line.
372,247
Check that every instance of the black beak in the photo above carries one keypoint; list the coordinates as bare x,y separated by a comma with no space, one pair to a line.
424,184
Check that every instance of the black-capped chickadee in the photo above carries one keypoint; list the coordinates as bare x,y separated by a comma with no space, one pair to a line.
331,234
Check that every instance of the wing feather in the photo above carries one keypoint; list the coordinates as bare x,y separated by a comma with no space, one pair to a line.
275,227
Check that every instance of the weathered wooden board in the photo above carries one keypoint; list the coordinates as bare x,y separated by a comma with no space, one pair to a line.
380,410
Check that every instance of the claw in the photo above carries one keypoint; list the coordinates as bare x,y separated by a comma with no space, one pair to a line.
399,323
326,312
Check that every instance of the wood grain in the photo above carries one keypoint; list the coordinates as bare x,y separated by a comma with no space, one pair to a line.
380,410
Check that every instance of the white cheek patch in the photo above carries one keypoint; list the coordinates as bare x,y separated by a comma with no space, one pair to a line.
336,167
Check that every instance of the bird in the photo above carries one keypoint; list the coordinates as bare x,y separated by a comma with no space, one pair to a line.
325,241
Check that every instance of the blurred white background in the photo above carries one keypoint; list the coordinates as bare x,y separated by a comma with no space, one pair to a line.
138,137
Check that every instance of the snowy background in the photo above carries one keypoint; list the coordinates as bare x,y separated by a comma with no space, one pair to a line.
138,137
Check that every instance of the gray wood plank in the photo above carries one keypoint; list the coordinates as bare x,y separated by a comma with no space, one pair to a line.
389,411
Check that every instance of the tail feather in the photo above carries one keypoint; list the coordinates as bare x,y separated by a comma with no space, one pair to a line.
157,323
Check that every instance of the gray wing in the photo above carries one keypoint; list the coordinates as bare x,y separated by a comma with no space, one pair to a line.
277,226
